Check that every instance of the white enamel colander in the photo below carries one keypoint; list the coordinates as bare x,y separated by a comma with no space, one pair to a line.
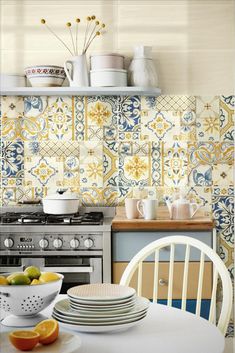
24,302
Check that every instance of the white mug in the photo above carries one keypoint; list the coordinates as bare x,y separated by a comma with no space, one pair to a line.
131,208
147,208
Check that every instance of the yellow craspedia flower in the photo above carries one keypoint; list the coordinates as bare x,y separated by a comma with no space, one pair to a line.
97,23
93,17
88,18
68,24
103,25
78,20
98,33
43,21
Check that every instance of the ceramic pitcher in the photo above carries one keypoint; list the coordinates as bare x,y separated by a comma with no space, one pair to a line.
78,75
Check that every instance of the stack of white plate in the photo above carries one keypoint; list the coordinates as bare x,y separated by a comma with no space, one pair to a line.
100,307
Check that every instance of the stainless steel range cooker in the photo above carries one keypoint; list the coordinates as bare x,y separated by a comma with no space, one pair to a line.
79,245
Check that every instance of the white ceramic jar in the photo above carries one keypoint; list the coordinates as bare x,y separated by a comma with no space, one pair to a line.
107,61
108,78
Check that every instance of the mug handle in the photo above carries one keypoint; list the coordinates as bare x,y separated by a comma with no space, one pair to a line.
139,205
67,71
194,207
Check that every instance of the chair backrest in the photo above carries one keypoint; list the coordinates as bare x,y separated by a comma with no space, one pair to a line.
219,269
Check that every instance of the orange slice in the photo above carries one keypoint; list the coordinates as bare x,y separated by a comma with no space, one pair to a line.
24,340
48,331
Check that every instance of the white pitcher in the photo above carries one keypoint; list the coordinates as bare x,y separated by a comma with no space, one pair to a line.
79,72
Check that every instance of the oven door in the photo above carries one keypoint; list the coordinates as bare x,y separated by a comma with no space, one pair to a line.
76,270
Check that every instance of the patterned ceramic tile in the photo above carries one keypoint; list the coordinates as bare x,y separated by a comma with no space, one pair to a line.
222,191
134,170
34,106
128,113
223,212
52,148
110,195
91,151
175,103
226,252
12,161
227,118
175,164
202,196
159,125
223,175
12,107
201,175
91,164
43,171
79,106
92,196
208,129
60,118
207,107
110,163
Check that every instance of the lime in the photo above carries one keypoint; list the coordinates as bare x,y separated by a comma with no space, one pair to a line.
3,281
18,279
32,272
48,277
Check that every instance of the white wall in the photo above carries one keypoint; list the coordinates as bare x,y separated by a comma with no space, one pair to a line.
193,40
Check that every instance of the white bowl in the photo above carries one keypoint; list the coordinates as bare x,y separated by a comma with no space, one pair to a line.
107,61
24,302
108,78
45,75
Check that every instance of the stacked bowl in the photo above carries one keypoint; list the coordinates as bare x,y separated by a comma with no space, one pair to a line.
100,308
107,70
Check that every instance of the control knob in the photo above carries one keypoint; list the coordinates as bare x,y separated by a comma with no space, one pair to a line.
57,243
43,243
74,243
88,243
8,242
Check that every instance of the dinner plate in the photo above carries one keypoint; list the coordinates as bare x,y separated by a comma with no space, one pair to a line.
89,323
95,313
101,303
102,328
101,307
101,292
63,307
97,319
66,343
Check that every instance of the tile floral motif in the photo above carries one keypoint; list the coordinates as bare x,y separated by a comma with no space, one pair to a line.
128,113
43,171
227,118
60,118
201,175
12,159
90,151
156,165
9,196
175,164
223,175
79,104
134,170
91,164
207,107
12,107
34,106
208,129
202,196
223,212
160,125
175,103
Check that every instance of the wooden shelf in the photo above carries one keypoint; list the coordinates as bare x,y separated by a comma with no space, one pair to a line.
80,91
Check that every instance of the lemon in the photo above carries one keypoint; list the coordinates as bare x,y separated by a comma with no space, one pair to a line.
35,281
3,281
32,272
18,279
48,277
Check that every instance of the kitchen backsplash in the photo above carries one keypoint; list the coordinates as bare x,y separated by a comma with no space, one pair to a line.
108,148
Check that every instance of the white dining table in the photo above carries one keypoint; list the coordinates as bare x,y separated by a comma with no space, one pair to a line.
163,330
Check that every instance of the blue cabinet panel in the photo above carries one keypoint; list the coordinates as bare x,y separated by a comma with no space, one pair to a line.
126,244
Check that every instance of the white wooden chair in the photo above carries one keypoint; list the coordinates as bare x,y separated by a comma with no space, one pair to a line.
219,269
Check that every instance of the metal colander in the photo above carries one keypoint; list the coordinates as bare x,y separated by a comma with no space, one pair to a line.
26,300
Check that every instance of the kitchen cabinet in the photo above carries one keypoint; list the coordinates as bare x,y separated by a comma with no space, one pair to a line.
126,242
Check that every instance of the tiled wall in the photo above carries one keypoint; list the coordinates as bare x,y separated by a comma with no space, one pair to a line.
108,148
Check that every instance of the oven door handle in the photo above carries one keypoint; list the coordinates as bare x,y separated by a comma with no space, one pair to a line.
80,269
11,269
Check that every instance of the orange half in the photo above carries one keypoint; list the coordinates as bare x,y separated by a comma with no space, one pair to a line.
48,331
24,340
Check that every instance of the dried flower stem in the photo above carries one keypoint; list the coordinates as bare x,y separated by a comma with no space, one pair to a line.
54,34
91,34
72,40
86,32
95,35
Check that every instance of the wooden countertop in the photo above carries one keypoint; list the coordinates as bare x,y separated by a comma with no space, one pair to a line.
199,222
